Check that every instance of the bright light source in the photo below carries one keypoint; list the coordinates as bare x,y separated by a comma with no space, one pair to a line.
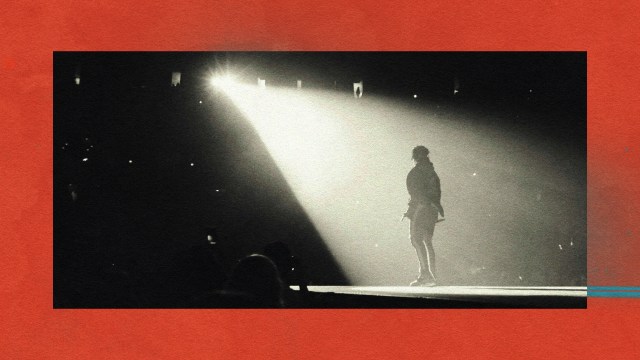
130,161
415,96
200,102
223,82
191,164
85,159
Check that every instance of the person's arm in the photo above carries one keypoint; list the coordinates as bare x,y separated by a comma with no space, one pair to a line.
438,194
411,188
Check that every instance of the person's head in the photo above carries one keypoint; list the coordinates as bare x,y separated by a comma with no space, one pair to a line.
420,153
257,275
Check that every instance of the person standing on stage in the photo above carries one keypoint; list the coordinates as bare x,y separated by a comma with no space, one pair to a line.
423,185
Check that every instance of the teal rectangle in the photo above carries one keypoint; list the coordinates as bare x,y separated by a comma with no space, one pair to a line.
613,288
613,291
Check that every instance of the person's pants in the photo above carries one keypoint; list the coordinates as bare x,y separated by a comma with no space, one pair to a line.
423,224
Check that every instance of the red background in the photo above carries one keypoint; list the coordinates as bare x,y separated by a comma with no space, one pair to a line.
32,30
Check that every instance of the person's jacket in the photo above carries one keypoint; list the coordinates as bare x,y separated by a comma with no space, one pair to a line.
423,185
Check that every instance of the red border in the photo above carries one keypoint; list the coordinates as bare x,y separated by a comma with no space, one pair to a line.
30,328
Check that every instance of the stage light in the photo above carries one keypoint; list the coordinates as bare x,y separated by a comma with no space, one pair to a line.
223,81
175,78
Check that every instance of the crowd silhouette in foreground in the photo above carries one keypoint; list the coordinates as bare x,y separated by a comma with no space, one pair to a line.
195,279
93,270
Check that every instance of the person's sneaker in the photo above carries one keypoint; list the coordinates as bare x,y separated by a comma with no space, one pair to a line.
428,283
423,282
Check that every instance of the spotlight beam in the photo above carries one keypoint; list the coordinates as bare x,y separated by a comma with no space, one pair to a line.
346,162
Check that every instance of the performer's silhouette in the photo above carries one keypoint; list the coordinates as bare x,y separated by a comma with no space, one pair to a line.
423,185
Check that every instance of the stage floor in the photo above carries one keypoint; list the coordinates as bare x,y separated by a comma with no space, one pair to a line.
462,296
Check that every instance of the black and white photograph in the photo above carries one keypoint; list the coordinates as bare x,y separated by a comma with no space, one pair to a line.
215,180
